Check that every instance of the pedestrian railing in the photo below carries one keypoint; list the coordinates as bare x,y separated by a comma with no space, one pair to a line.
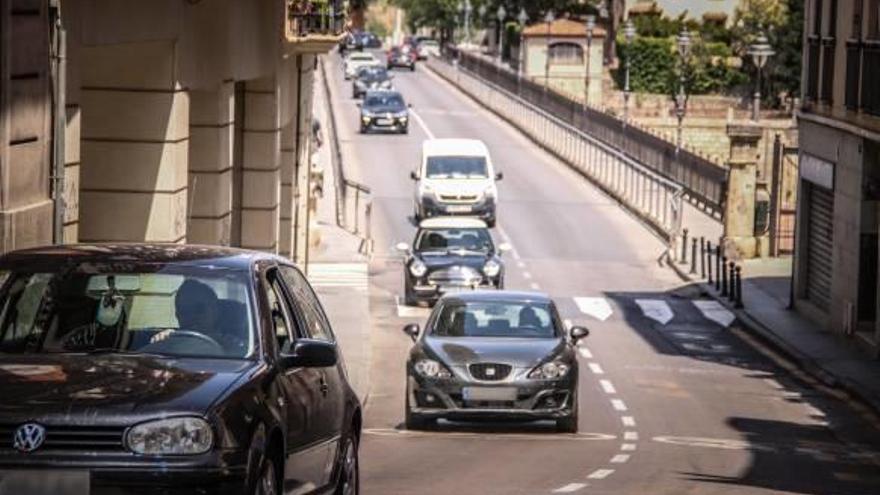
703,180
652,197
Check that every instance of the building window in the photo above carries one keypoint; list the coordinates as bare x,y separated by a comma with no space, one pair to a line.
566,54
873,20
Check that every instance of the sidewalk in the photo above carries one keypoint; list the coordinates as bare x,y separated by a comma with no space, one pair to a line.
832,359
338,272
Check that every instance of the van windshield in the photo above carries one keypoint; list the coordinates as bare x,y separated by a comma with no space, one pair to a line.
456,167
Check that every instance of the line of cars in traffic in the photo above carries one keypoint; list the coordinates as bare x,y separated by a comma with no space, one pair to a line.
485,353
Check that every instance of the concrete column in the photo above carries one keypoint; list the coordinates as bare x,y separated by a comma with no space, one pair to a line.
739,209
135,141
288,201
261,166
302,217
212,115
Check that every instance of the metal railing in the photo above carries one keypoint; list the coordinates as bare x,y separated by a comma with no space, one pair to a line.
704,181
349,215
656,200
310,17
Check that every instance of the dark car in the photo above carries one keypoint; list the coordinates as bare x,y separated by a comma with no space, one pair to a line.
493,355
169,369
450,254
370,78
384,110
402,56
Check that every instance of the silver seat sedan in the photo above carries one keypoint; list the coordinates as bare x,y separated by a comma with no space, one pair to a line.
496,355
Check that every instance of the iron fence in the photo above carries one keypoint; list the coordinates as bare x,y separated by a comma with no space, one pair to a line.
309,17
654,198
704,181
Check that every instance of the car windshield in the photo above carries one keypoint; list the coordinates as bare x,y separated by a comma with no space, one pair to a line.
392,101
373,74
449,239
457,167
152,308
495,319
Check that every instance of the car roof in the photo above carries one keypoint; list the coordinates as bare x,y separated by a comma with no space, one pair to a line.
452,223
452,147
192,254
509,296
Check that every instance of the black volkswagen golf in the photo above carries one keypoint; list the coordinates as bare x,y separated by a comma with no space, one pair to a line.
169,369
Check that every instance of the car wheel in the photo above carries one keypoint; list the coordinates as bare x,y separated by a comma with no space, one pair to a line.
267,483
412,68
349,477
405,130
415,421
363,129
491,222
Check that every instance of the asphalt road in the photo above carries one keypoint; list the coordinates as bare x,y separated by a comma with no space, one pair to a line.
672,399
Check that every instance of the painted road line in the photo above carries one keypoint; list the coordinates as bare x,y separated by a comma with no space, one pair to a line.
619,459
628,447
715,311
628,421
607,386
618,405
352,275
600,474
595,368
630,435
422,123
569,488
585,353
521,264
597,307
535,286
527,275
656,309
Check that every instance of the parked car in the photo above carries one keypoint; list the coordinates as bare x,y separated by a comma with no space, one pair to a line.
384,110
428,47
447,254
495,355
456,177
169,369
370,78
401,57
357,60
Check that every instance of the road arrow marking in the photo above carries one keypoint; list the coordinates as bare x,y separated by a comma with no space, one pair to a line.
597,307
715,311
656,309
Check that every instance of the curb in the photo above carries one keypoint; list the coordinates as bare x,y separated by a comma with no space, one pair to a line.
767,337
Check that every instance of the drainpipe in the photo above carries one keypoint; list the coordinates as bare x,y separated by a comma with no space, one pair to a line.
59,119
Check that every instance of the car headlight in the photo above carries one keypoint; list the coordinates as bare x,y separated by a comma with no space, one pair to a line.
550,370
418,268
429,368
401,116
425,190
173,436
386,84
492,268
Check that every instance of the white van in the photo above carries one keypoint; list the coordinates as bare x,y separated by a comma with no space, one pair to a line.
456,177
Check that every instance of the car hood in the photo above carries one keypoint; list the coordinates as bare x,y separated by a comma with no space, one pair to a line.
436,261
520,353
458,187
103,387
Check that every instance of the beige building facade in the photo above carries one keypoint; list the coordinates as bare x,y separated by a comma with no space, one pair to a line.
836,259
186,121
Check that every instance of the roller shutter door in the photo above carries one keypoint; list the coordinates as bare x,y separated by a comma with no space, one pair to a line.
820,231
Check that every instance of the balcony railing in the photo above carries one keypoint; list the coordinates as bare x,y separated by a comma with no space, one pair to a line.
871,79
308,18
813,53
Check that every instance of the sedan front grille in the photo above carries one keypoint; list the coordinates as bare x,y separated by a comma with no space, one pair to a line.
489,371
458,198
456,275
71,438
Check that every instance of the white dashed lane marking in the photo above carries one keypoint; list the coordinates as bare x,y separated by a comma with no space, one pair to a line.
569,488
630,435
595,368
618,405
607,386
600,474
628,421
585,353
628,447
619,459
535,286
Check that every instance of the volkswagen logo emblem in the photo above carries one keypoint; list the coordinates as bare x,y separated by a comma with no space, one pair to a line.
28,437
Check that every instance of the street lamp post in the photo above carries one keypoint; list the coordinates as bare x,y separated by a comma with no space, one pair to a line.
591,25
684,45
501,14
629,34
522,18
760,51
549,18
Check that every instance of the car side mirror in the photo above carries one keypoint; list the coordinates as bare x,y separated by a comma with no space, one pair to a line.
402,247
309,353
412,330
504,247
578,333
413,176
499,175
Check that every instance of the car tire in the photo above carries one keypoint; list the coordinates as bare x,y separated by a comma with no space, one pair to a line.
267,482
363,129
416,422
491,222
412,68
405,130
349,476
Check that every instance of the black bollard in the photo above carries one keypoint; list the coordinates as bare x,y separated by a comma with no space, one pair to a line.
738,303
702,257
693,256
723,275
684,245
709,259
718,267
731,291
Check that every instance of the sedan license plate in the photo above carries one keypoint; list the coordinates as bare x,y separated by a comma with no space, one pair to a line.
489,393
384,121
44,482
459,209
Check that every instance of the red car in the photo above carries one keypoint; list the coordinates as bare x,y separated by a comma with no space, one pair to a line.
402,56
